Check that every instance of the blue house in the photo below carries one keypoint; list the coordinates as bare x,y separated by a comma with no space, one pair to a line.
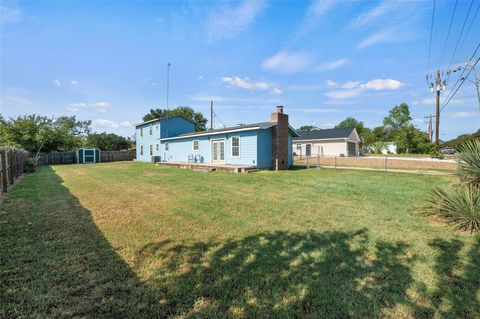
261,145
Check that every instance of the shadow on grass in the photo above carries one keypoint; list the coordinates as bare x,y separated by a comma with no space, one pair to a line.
56,263
457,291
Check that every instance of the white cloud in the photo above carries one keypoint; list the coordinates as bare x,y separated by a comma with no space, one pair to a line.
98,106
331,83
226,21
73,82
126,124
288,62
332,65
276,91
9,15
355,88
350,85
385,36
315,12
464,114
382,84
57,82
200,77
373,14
247,84
105,123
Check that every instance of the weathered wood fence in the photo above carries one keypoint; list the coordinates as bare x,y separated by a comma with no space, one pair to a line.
12,165
53,158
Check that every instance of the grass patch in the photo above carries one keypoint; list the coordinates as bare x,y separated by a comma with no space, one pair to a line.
133,240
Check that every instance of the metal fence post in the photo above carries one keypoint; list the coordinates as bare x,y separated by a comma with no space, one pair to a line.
385,165
335,162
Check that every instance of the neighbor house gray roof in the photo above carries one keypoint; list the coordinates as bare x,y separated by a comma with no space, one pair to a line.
332,133
245,127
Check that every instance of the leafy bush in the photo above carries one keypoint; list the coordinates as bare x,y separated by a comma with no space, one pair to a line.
459,204
469,167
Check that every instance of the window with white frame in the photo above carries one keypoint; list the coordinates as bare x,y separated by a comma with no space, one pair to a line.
151,129
299,146
195,145
156,147
141,149
141,132
166,146
156,127
151,149
236,146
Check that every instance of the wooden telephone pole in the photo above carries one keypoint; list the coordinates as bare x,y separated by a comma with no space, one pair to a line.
439,85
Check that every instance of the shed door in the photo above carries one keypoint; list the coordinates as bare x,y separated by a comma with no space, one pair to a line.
89,156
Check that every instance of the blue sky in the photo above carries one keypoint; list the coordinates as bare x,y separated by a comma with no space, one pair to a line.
323,60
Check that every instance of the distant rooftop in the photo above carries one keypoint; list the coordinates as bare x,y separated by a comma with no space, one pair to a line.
325,134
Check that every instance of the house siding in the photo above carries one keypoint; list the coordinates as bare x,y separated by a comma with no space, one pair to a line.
180,149
168,126
264,148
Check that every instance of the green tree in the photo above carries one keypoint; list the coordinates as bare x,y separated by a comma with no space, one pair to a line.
399,116
107,141
411,140
32,132
187,111
306,128
352,122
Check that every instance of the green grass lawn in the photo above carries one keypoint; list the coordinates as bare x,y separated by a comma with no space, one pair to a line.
131,240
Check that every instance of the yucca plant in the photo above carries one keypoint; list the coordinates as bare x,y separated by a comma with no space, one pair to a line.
459,204
469,162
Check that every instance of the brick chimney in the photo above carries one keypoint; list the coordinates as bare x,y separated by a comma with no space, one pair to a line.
279,140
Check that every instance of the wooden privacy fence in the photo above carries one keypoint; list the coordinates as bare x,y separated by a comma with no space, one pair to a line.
53,158
12,165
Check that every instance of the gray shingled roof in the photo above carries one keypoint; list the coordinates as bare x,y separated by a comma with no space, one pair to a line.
261,126
325,134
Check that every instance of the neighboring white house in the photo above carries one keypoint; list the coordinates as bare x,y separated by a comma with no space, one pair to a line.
383,148
335,141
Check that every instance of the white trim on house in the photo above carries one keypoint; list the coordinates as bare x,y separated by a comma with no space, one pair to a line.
218,161
231,146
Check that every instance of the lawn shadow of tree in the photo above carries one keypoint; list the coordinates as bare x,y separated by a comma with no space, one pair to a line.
57,263
457,290
282,274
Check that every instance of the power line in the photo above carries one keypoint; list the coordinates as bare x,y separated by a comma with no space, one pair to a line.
448,33
469,28
461,83
461,33
431,34
461,75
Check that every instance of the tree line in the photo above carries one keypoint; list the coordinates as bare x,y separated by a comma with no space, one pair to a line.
66,133
35,133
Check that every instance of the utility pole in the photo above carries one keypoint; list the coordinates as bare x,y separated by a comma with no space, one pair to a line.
211,115
430,127
439,85
475,82
168,82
